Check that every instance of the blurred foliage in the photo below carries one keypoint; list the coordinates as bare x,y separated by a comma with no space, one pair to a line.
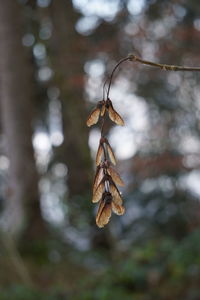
19,292
160,269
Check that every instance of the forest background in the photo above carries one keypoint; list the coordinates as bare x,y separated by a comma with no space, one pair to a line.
54,59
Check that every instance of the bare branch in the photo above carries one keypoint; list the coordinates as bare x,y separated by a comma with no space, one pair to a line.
133,57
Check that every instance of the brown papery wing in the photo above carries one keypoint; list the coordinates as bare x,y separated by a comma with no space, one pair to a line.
101,206
99,155
93,117
98,177
115,176
116,194
114,116
103,214
118,209
98,193
111,154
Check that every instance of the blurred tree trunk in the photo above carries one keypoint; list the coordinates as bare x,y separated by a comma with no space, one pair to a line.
68,59
22,203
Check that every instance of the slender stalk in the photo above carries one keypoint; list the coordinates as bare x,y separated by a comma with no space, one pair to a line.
113,71
104,88
102,125
102,136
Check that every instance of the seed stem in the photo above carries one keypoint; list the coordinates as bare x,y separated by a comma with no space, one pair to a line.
113,71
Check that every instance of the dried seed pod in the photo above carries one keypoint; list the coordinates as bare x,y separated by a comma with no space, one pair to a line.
104,214
104,211
95,114
117,209
99,155
115,194
113,115
98,177
95,182
93,117
100,209
99,191
115,176
111,154
106,178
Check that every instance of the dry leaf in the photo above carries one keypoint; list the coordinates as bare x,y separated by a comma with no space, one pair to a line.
117,209
115,176
99,154
93,117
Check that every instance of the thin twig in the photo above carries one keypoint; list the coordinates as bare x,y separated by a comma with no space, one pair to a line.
102,135
132,57
102,126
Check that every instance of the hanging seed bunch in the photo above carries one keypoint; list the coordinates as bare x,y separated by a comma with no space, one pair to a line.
105,190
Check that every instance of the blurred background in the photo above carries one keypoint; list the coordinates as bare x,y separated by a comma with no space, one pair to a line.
54,59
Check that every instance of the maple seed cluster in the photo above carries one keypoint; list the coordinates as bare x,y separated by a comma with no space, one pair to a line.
100,110
106,179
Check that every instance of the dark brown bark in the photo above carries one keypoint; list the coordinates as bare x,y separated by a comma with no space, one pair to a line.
22,203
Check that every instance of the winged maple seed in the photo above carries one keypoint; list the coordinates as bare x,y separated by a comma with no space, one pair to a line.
106,191
98,177
96,113
98,191
113,115
103,146
105,184
100,109
110,153
111,171
104,211
106,206
115,176
100,153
